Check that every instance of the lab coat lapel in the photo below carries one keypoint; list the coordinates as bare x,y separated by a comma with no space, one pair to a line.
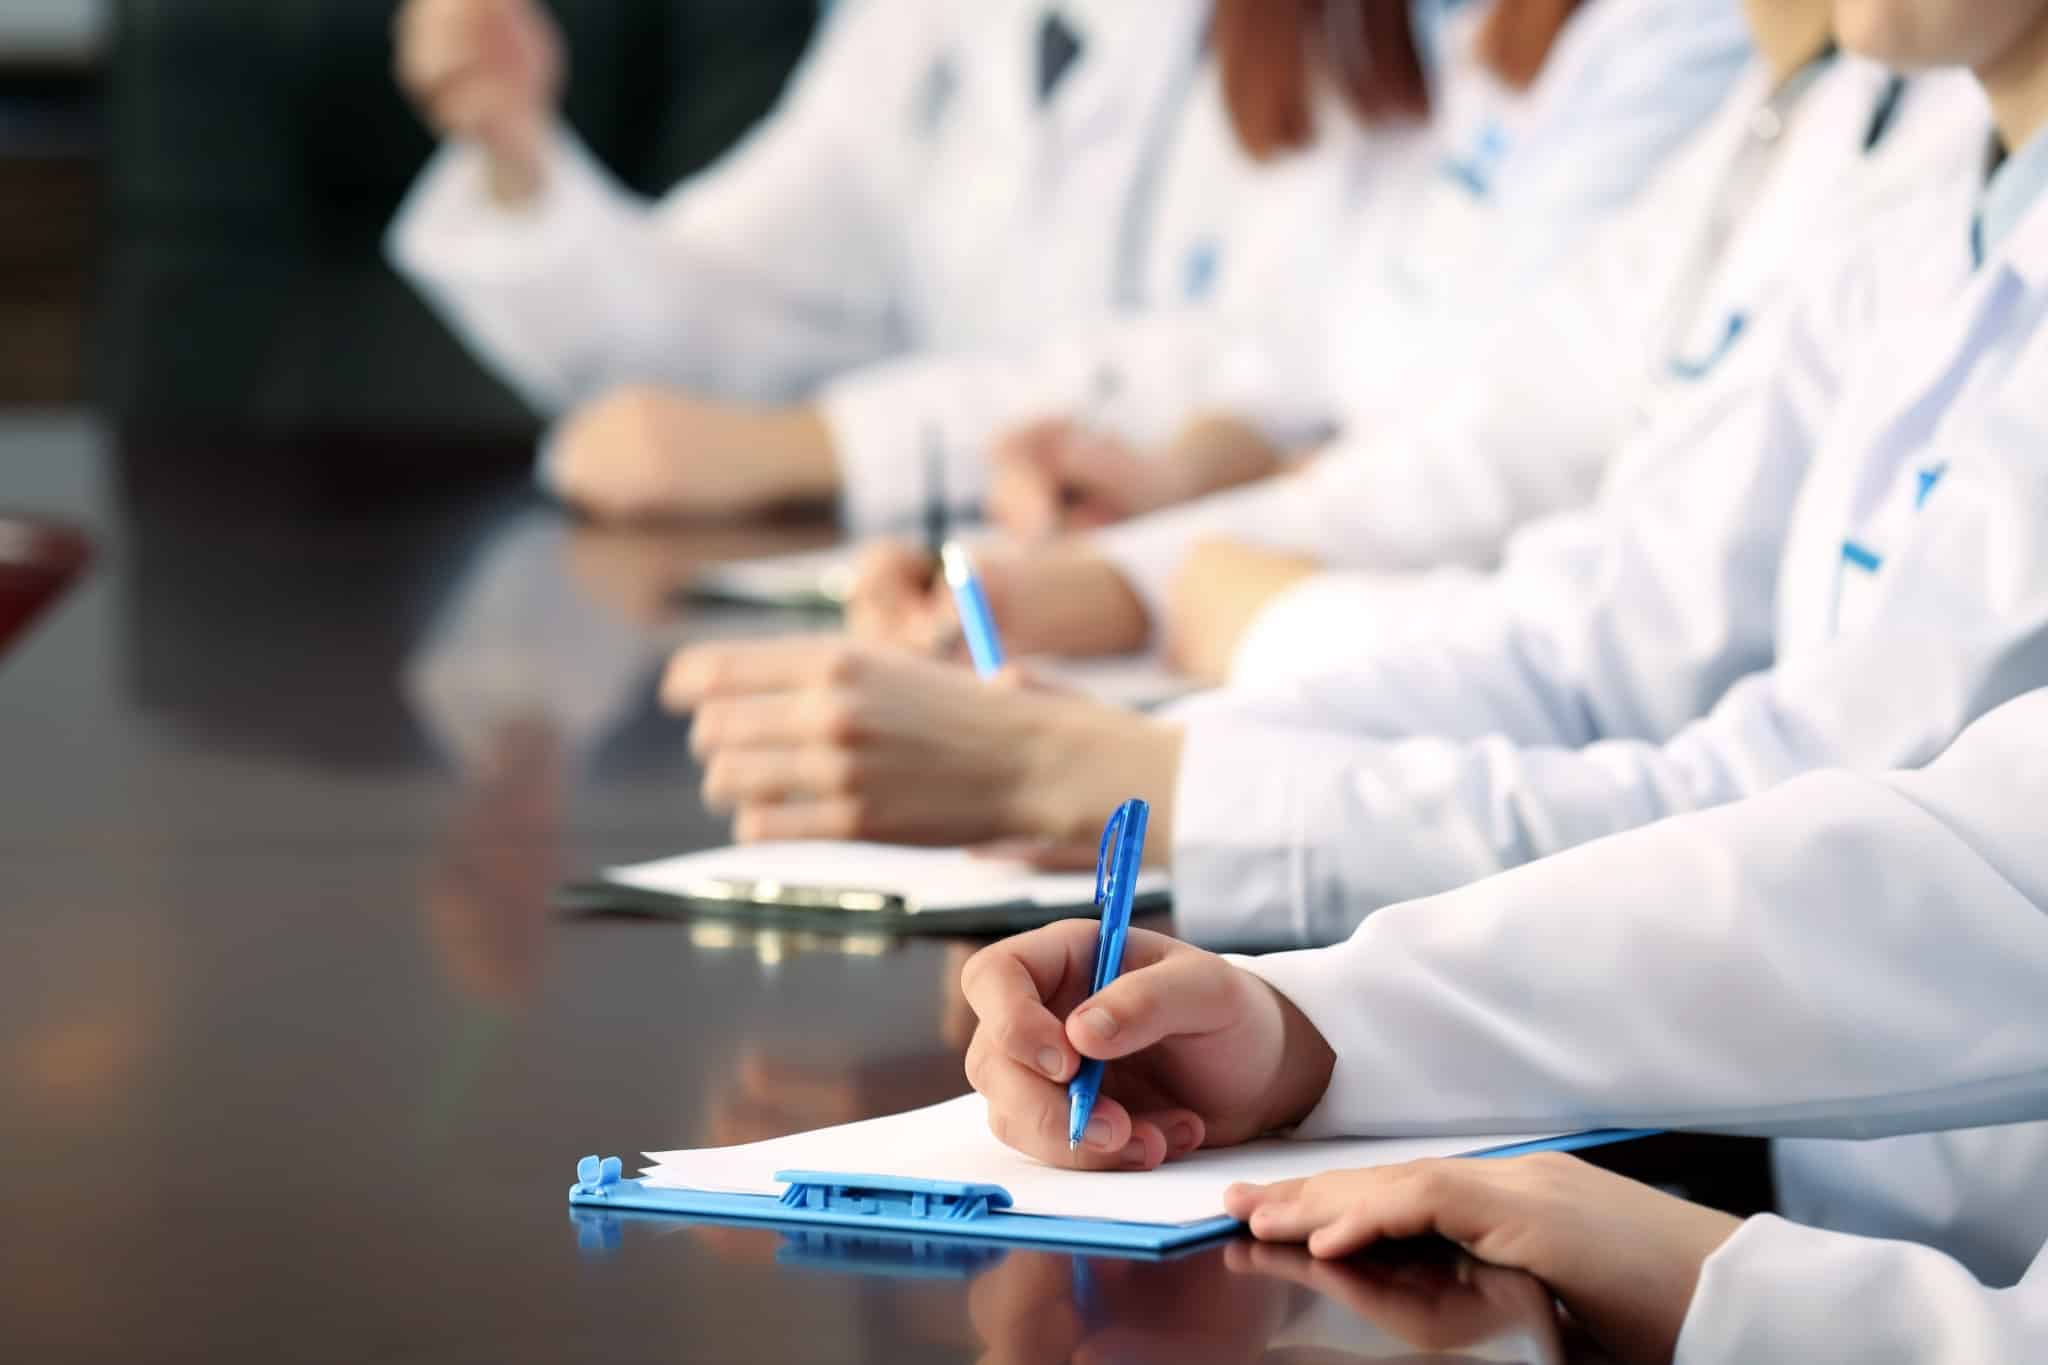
1122,45
1858,478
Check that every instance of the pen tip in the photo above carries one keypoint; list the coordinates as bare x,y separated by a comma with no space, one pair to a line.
1072,1145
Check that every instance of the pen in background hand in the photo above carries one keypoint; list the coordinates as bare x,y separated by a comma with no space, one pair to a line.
937,511
977,623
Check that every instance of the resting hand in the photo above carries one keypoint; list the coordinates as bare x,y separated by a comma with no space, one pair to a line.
1623,1257
488,72
1055,475
1219,591
822,738
644,453
1202,1054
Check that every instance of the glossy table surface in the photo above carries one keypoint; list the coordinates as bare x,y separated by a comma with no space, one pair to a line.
295,1061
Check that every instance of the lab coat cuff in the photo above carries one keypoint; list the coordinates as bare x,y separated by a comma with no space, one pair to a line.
1238,831
884,420
1778,1290
451,230
1317,982
1291,635
1147,552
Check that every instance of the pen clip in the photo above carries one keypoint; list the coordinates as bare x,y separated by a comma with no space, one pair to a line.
1110,875
1103,870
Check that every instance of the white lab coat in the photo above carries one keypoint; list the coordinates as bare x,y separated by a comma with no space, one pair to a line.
909,194
1847,956
1627,83
1647,312
1777,1291
1714,628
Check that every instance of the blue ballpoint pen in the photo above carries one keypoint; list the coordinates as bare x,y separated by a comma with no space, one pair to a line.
1116,886
976,621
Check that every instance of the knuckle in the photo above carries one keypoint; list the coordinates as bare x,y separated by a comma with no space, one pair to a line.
844,665
840,719
842,774
972,971
976,1062
851,818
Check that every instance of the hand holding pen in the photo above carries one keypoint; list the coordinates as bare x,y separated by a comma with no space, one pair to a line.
1204,1054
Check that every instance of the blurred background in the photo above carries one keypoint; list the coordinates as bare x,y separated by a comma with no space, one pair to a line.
192,194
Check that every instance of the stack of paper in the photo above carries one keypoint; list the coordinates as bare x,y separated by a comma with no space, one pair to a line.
927,881
952,1142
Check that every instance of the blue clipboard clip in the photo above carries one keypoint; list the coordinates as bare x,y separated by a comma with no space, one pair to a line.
879,1205
883,1204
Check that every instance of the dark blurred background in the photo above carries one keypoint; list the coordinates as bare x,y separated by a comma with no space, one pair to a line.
192,195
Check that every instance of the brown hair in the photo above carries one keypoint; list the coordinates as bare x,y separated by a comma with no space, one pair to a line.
1517,36
1272,51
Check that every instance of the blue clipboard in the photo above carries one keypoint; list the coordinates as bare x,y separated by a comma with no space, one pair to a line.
938,1208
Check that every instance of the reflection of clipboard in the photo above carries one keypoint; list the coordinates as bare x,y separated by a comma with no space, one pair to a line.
863,888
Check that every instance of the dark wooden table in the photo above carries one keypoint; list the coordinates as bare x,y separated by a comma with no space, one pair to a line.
295,1063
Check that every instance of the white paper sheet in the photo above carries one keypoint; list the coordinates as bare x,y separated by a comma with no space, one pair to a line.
932,880
951,1141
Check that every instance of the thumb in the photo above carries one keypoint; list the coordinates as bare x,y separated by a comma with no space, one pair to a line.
1187,993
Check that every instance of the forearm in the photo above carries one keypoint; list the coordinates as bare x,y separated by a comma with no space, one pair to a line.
1777,1291
1083,760
1721,972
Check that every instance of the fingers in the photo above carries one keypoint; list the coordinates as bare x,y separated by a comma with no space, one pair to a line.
1024,499
775,718
1181,1129
841,818
786,665
1020,1060
894,597
778,776
1031,1114
1011,985
1341,1211
1188,992
1241,1201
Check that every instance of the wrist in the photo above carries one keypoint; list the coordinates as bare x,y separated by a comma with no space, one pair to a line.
807,463
1082,606
1082,759
515,168
1306,1064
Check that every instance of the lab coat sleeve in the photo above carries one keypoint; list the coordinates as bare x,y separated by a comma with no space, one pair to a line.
1448,490
1518,428
726,285
1779,1291
1846,956
1960,625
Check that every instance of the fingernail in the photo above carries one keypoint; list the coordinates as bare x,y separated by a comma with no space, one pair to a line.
1180,1138
1098,1022
1050,1062
1134,1152
1097,1133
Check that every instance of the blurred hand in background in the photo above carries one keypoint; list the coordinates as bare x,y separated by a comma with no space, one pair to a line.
488,72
